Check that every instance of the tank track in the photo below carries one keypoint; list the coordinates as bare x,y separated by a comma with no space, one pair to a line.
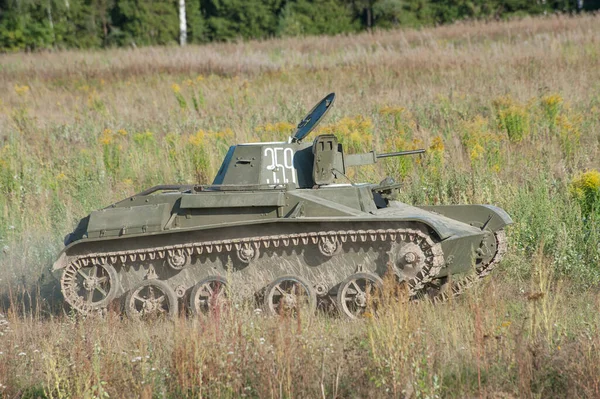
433,263
462,285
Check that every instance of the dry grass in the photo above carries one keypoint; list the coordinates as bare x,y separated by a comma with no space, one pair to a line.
509,113
494,342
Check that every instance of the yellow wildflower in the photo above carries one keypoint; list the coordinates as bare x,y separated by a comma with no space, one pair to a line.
586,181
552,100
106,137
198,139
512,117
225,135
354,133
437,144
569,133
278,130
175,87
476,152
21,90
585,188
392,110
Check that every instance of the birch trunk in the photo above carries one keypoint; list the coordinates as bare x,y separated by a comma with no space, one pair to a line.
182,23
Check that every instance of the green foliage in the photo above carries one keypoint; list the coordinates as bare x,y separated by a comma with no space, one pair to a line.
230,19
306,17
37,24
410,13
146,22
29,24
196,24
513,118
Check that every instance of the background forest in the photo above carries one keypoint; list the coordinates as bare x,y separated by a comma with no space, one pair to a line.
41,24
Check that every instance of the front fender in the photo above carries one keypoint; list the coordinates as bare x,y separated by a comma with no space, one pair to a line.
490,216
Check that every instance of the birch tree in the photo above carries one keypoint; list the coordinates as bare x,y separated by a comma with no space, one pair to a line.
182,23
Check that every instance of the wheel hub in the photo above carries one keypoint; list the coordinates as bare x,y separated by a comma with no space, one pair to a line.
360,299
178,260
90,283
289,301
408,259
286,295
150,306
328,246
247,253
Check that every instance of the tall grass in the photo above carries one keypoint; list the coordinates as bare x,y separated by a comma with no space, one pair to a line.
509,113
495,341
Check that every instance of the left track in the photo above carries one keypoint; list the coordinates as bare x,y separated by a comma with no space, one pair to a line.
320,261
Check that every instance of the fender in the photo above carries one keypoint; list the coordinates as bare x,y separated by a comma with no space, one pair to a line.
483,216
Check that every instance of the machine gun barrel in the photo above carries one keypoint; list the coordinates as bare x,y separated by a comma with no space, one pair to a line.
398,153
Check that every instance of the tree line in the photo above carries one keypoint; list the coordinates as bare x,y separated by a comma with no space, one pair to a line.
41,24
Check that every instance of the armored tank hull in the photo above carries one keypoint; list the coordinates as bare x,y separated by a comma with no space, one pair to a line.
276,225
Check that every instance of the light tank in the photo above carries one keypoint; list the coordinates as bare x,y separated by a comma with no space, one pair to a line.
281,222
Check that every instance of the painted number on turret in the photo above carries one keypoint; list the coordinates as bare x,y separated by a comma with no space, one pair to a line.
280,164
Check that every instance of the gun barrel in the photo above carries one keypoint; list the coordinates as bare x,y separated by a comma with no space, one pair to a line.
395,154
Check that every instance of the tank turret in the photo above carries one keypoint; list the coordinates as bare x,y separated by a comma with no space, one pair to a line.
293,162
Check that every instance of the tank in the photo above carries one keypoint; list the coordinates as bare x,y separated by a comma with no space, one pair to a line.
281,224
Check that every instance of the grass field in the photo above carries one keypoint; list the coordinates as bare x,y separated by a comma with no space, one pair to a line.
508,111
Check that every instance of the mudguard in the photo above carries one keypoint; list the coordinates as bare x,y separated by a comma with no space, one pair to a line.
483,216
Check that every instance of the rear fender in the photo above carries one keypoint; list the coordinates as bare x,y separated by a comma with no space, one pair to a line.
64,257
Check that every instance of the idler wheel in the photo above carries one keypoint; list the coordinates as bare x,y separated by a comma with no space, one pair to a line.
88,288
290,295
208,295
357,293
177,260
151,299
